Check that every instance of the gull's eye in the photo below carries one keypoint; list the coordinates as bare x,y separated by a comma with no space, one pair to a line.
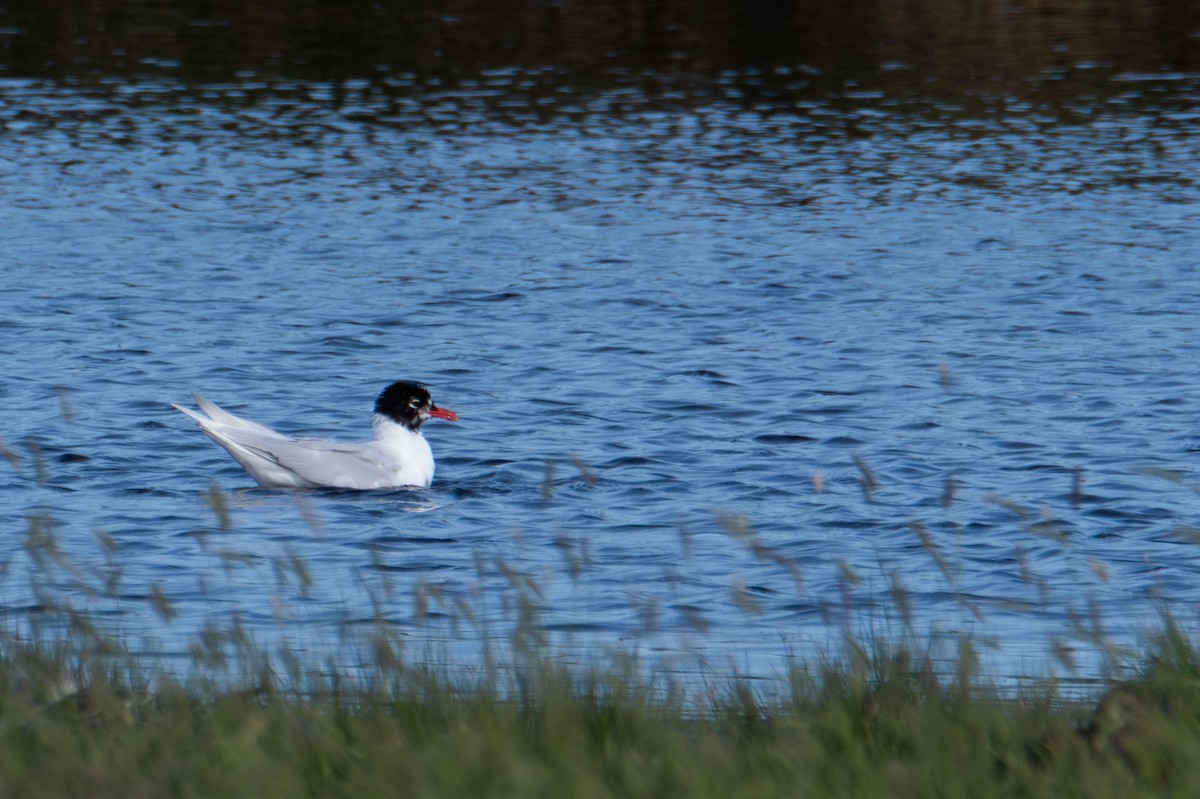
416,403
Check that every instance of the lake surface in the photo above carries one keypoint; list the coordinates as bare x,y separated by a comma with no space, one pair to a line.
746,357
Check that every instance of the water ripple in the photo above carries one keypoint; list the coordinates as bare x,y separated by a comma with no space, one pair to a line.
705,362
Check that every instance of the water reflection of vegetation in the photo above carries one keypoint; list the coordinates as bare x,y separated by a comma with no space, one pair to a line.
932,47
80,711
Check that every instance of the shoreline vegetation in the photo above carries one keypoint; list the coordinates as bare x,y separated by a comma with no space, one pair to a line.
80,719
83,714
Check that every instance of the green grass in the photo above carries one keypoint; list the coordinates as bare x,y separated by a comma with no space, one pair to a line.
881,728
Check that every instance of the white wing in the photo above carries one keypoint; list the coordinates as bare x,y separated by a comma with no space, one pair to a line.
277,461
309,462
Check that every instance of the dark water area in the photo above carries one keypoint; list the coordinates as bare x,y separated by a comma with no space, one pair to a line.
763,327
983,53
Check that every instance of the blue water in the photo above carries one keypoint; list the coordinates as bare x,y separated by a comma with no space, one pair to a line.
718,371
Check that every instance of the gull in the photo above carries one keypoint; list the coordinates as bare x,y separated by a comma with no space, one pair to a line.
397,456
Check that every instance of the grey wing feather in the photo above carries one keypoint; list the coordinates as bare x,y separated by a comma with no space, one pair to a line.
319,463
222,416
